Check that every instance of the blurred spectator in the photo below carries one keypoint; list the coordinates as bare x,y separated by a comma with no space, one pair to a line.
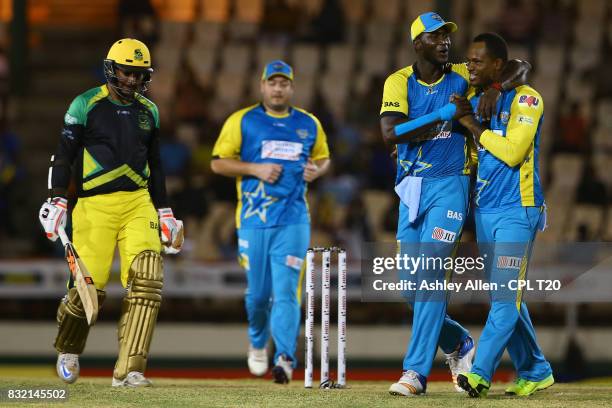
137,19
175,154
591,190
573,136
328,27
518,23
10,174
280,19
356,228
554,22
4,83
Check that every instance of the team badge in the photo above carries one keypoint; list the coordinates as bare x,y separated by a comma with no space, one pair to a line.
302,133
143,121
138,54
504,117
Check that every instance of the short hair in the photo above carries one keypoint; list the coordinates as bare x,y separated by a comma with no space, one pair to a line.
496,45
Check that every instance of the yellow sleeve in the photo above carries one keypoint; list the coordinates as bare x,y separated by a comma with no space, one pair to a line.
230,139
395,93
320,150
462,70
525,113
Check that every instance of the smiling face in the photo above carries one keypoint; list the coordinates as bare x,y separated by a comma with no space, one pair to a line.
277,92
434,46
483,68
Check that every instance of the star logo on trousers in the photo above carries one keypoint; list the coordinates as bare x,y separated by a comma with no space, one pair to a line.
258,202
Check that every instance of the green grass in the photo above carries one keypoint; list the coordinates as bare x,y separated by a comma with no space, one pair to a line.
96,392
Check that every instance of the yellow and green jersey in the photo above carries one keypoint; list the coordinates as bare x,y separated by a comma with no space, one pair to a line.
114,147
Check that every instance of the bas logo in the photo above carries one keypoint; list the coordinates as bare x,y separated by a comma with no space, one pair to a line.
454,215
529,100
394,104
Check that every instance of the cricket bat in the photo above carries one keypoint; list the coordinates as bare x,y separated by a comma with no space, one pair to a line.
81,278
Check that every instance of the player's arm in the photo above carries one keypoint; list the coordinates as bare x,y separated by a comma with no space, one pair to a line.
394,111
226,155
514,147
319,162
53,212
171,230
157,179
514,75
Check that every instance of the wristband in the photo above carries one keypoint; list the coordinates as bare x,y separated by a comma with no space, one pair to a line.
497,85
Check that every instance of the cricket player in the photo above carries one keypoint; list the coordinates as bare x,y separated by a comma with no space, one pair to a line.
433,163
273,149
111,137
509,211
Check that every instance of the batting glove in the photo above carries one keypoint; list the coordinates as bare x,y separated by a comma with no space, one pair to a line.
172,235
52,216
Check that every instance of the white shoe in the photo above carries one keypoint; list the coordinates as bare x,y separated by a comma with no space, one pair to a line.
411,383
282,370
68,367
257,361
133,379
460,360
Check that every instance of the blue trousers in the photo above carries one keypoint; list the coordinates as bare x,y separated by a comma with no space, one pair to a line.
509,235
273,258
442,211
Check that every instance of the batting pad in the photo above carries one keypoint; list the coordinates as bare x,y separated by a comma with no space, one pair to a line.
72,323
139,313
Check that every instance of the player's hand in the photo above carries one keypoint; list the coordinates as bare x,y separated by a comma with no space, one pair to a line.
52,216
487,104
311,171
171,229
467,121
463,106
268,172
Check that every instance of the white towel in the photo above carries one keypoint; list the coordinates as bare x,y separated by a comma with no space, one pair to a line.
409,192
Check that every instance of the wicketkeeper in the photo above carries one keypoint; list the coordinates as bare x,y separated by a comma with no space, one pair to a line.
111,137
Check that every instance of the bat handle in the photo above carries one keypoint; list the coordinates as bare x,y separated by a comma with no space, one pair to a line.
63,236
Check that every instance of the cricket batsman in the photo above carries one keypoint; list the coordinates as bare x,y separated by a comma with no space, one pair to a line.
509,211
433,165
111,139
273,150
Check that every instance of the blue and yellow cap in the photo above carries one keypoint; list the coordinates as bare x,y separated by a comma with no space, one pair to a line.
277,67
429,22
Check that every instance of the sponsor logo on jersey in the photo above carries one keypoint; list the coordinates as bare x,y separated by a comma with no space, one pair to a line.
454,215
391,104
431,90
243,243
444,130
281,150
525,119
123,112
67,133
441,234
529,100
294,262
302,133
69,119
509,262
